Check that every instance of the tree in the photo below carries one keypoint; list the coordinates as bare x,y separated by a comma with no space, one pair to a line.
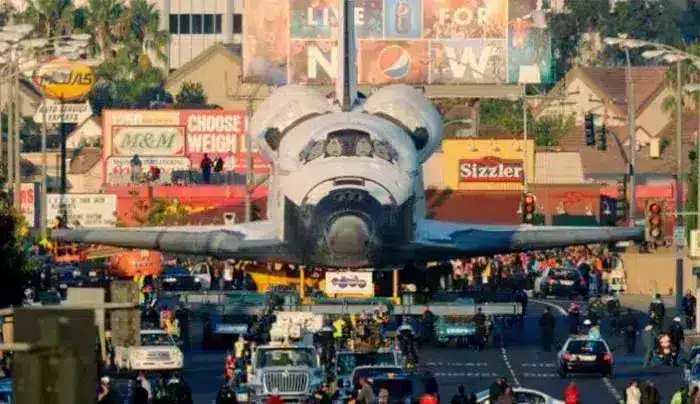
692,197
50,17
13,257
689,22
191,94
546,131
107,22
143,30
689,74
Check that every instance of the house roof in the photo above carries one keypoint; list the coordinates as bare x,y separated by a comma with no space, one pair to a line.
609,83
558,168
614,159
232,51
86,159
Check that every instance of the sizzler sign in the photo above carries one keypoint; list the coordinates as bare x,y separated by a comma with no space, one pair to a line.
491,169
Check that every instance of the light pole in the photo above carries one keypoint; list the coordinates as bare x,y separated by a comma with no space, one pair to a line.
669,54
18,56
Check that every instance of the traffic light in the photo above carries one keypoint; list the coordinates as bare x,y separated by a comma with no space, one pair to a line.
654,222
603,139
528,208
621,205
590,129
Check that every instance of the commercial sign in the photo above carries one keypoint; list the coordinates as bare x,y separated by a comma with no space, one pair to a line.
155,135
400,41
84,210
65,81
148,141
28,201
57,112
349,283
491,169
119,168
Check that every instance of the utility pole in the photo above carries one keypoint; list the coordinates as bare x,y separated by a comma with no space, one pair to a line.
680,249
44,176
632,134
10,137
18,141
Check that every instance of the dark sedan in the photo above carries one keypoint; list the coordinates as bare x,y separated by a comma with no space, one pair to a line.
177,278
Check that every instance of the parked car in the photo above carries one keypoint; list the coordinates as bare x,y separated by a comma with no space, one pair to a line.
178,278
582,354
560,282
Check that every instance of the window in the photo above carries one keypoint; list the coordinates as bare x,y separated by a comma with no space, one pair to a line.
217,28
184,23
196,23
238,23
209,23
174,23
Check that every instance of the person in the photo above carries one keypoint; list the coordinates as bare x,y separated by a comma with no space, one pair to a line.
383,396
689,302
239,347
322,396
226,395
145,384
139,395
428,323
135,169
633,394
507,397
574,318
106,394
679,395
178,390
675,331
571,394
693,394
366,394
461,397
497,388
630,329
428,398
205,165
594,331
649,336
160,393
339,393
275,397
657,310
480,323
650,394
547,326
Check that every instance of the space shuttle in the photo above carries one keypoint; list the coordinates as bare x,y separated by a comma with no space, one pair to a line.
346,188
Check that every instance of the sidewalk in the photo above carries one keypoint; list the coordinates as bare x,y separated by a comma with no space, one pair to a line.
640,302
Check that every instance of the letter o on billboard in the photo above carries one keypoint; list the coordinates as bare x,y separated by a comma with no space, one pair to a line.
64,80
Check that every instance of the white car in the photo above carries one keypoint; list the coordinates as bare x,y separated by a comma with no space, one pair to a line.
158,351
522,396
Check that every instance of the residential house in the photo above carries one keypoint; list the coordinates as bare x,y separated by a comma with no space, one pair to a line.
85,171
88,133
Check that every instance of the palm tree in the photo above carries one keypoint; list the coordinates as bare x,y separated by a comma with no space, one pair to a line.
144,24
50,17
690,74
108,20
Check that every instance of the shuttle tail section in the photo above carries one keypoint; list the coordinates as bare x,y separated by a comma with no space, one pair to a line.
346,83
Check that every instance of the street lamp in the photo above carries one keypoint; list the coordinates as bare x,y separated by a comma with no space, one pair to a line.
670,55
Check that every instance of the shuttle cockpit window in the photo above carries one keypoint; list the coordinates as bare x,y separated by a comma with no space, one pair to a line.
348,143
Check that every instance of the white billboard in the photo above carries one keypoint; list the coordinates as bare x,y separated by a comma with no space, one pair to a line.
148,141
349,283
84,210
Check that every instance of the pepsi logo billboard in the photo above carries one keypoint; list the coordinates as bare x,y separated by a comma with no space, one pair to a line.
434,42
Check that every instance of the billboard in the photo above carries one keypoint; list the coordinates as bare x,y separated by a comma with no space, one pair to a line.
439,42
349,283
84,210
28,194
175,141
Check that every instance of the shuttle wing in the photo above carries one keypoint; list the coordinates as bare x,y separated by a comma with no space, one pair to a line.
253,241
451,240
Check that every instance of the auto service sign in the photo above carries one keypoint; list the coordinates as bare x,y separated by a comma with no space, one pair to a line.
349,283
61,80
491,169
84,210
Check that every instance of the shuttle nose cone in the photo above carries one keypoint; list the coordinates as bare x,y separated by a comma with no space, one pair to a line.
348,235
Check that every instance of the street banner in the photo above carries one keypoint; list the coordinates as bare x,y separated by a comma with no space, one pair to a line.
29,198
67,113
349,283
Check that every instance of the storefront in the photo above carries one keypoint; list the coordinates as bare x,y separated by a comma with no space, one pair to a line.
487,164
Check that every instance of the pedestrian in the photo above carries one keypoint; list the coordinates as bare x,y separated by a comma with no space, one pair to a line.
650,394
461,397
366,394
649,339
146,384
574,318
633,395
675,331
383,396
693,394
226,395
206,166
507,397
139,395
135,169
428,398
480,334
689,302
630,329
106,394
571,394
657,311
547,327
497,388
